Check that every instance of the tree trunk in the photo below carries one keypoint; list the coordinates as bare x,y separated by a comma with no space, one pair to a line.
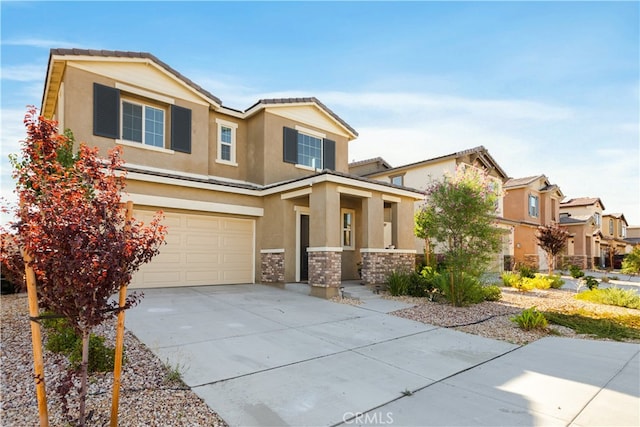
550,259
83,376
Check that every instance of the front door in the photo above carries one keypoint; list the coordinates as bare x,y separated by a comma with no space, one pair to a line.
304,244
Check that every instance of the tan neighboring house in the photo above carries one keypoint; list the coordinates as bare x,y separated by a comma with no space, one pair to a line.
420,174
583,218
614,235
259,195
532,202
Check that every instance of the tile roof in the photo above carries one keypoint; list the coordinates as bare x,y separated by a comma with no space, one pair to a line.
305,100
368,161
479,149
517,182
139,55
581,201
190,83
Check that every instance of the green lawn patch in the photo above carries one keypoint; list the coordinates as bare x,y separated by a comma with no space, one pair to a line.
612,296
611,326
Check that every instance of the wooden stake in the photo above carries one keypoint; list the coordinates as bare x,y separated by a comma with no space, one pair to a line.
117,369
36,340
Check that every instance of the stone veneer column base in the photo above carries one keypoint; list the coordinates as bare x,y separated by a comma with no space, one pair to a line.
532,261
272,266
325,271
579,260
377,264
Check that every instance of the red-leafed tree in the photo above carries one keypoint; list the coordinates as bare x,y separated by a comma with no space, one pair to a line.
552,239
70,220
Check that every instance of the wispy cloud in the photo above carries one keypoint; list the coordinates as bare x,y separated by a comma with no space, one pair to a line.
41,43
23,73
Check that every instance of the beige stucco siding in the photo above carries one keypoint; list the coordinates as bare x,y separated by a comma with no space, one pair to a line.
78,86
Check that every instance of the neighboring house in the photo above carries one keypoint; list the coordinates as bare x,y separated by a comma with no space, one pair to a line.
532,202
421,174
582,217
633,235
614,244
261,195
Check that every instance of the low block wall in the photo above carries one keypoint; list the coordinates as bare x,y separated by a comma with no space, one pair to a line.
377,264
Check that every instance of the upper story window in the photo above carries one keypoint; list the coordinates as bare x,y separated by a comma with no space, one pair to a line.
308,149
597,219
121,114
226,142
534,206
611,227
348,217
142,123
623,231
397,180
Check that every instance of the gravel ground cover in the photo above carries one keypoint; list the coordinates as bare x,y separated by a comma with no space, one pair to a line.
147,396
491,319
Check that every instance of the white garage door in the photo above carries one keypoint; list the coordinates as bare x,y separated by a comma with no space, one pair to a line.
200,250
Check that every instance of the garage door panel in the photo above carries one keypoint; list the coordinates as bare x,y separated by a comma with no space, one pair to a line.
199,250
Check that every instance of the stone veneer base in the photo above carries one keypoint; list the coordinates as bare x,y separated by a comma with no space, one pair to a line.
272,267
325,268
376,266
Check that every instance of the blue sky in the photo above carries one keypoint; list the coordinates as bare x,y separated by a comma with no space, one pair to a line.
547,87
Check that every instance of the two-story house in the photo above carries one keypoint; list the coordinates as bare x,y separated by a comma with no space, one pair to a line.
421,174
532,202
258,195
582,217
613,244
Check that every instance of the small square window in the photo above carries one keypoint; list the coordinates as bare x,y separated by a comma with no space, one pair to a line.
397,180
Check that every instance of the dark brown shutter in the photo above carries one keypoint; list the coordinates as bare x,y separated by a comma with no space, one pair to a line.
290,145
329,154
180,129
106,111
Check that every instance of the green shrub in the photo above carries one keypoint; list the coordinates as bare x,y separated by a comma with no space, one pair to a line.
575,271
63,339
604,279
556,281
530,319
418,285
527,271
466,289
591,282
491,293
510,279
398,283
612,296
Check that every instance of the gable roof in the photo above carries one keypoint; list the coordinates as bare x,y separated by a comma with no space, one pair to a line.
140,56
581,201
528,180
616,216
278,102
57,58
483,156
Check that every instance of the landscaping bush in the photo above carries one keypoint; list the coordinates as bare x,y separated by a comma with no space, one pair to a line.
510,279
466,289
530,319
527,271
491,293
418,286
612,296
575,271
556,281
63,339
398,283
525,284
591,282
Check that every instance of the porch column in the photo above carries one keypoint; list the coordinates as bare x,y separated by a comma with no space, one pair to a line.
325,250
372,222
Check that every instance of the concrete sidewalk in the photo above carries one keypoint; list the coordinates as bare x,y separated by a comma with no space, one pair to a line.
261,356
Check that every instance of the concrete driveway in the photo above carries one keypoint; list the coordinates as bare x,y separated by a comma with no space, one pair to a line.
261,356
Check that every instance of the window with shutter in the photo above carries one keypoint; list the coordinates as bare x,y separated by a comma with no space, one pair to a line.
106,111
308,148
180,129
